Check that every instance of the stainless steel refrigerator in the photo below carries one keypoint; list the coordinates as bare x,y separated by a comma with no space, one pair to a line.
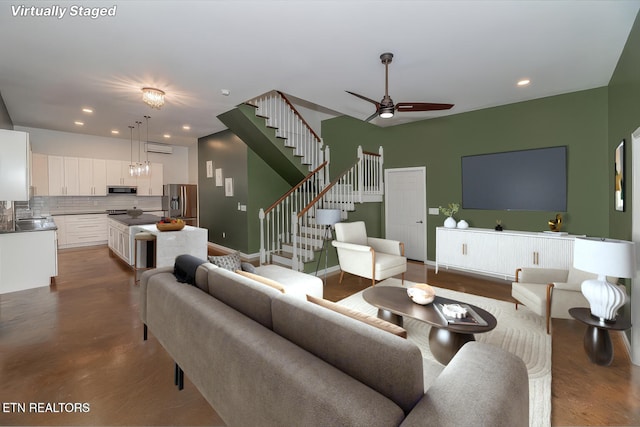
181,201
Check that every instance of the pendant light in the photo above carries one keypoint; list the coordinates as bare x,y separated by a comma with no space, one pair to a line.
132,166
138,164
147,164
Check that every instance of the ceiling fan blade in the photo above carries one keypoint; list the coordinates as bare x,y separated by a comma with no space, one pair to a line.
421,106
377,104
371,117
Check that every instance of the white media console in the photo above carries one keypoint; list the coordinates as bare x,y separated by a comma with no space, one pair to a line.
500,253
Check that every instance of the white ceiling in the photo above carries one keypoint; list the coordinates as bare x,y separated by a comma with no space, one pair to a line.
469,53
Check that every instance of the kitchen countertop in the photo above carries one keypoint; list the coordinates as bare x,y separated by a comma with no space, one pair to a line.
141,220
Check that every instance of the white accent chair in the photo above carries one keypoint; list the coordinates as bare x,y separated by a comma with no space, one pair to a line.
551,292
370,257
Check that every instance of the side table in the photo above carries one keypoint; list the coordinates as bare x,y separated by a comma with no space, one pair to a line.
597,341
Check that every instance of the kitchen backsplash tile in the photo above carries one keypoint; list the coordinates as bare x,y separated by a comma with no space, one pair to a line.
44,205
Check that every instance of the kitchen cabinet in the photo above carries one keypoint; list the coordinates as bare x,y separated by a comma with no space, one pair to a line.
64,178
39,174
27,260
93,177
119,241
118,173
500,253
151,185
81,230
14,165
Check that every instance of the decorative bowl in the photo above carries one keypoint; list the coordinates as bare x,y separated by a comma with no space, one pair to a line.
421,293
170,226
134,213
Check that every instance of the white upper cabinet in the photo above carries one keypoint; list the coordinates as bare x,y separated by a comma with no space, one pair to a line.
64,176
93,177
118,173
39,174
151,185
14,165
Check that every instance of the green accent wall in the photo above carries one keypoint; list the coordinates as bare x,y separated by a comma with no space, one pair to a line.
624,119
577,120
255,184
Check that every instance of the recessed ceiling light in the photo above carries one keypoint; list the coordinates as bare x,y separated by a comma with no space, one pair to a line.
524,82
115,131
87,110
166,135
79,123
186,127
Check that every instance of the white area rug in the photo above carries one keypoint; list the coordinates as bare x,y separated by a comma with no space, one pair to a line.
519,331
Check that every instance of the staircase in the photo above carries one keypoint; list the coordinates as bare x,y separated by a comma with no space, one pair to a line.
288,233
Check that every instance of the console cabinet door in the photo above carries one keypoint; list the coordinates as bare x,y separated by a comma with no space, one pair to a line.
467,250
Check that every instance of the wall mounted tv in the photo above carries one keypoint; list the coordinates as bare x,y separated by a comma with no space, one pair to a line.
524,180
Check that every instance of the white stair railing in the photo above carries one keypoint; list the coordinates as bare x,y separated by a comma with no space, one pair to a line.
290,126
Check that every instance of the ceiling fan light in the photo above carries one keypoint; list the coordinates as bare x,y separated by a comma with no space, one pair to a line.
153,97
386,112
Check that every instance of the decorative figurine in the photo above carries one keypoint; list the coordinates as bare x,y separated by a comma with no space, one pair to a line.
556,224
498,225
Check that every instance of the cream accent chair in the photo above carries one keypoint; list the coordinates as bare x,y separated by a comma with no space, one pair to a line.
370,257
551,292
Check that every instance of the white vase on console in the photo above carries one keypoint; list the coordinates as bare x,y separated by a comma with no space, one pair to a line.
462,224
450,222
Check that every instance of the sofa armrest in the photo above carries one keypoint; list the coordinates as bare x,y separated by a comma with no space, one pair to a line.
386,246
482,383
350,246
542,275
144,280
560,286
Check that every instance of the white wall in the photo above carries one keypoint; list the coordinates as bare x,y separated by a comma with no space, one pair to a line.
176,166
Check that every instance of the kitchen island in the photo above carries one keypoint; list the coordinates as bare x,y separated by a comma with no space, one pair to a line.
169,244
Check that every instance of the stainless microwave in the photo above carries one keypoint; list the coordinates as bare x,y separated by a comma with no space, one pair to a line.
122,190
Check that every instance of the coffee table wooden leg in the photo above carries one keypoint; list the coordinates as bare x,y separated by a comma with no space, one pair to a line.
445,344
390,317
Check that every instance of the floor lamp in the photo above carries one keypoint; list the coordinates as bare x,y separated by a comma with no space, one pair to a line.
328,218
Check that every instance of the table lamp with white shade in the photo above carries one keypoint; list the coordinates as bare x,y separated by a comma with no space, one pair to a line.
604,257
328,218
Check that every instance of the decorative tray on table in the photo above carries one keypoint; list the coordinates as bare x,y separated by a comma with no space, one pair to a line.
167,224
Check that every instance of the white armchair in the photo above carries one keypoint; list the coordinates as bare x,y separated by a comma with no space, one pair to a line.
551,292
370,257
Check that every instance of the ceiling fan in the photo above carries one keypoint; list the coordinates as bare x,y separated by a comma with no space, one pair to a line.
386,107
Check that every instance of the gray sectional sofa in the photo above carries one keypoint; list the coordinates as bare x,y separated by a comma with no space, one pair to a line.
264,358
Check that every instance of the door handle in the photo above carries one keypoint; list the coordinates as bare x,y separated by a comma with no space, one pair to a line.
419,222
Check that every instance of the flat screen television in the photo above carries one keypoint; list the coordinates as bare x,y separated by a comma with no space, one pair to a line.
524,180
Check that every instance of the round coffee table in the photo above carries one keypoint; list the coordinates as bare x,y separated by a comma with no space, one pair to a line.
444,339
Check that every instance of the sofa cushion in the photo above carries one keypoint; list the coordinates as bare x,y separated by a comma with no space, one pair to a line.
358,315
295,283
264,280
230,262
243,294
388,364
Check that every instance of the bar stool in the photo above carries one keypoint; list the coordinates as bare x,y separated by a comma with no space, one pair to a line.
142,237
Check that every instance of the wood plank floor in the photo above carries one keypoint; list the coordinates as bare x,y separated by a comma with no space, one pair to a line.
80,342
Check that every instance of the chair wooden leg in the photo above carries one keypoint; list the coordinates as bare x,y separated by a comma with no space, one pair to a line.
341,276
373,282
516,306
549,296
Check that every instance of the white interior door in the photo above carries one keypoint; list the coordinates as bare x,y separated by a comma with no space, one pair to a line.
635,227
405,206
